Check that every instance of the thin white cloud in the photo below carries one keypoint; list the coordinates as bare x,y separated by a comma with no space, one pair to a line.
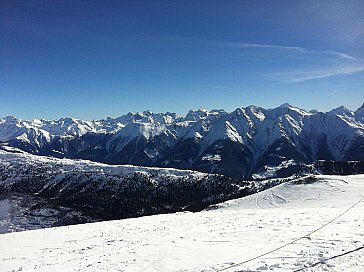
307,64
319,73
241,45
343,55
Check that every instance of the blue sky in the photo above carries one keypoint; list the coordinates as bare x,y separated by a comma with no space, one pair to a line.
93,59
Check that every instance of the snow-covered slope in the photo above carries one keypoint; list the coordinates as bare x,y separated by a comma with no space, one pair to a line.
17,130
303,225
248,142
103,192
64,126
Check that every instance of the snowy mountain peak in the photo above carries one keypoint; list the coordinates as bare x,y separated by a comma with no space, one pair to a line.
359,114
285,105
342,111
10,119
145,113
362,106
239,111
256,112
195,115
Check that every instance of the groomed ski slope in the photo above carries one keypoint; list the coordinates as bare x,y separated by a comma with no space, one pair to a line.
213,240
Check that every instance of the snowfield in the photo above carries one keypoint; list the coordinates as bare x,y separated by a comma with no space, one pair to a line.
316,226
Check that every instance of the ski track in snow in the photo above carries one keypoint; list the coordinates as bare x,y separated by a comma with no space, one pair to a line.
211,240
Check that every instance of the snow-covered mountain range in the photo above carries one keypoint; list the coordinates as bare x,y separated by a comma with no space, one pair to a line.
250,142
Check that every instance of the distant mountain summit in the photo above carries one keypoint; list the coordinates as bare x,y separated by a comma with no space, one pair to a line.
250,142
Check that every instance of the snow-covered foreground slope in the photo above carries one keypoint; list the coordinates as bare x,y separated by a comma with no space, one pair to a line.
212,240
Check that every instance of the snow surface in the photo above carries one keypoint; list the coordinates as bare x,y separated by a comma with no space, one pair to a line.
7,158
271,171
212,240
